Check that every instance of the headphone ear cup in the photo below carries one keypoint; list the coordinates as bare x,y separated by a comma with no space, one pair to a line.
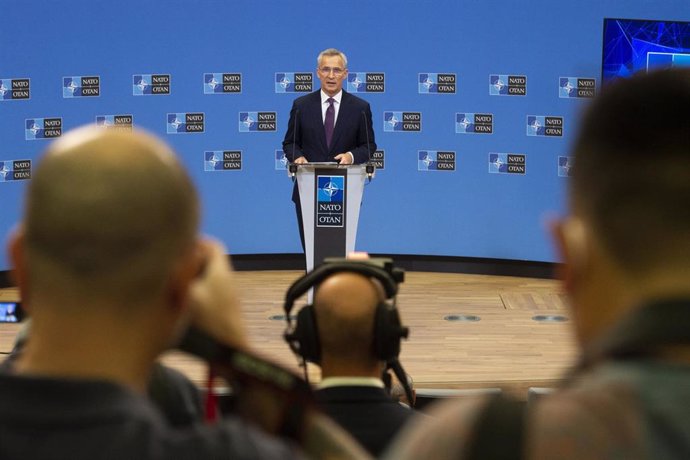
304,341
388,332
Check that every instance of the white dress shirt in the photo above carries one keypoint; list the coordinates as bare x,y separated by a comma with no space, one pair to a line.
336,105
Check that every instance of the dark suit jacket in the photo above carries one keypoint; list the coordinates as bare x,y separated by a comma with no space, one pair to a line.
309,138
367,413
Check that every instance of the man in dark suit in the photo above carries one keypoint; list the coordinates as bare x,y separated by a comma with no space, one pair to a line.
351,390
330,124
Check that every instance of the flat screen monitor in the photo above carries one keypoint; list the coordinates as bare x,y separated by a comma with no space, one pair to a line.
632,45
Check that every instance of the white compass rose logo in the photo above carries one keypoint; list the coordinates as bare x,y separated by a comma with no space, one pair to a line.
568,87
72,87
331,189
176,123
142,85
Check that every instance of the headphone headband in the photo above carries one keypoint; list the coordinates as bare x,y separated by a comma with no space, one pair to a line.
303,338
320,273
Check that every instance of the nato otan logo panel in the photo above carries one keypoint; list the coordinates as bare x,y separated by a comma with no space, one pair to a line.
435,160
576,87
565,165
294,82
330,201
281,160
73,87
13,170
507,163
122,122
507,85
223,160
257,121
185,123
437,83
366,82
222,83
402,121
378,159
544,126
474,123
12,89
151,84
42,128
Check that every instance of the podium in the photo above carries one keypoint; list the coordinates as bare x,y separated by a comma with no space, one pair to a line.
331,196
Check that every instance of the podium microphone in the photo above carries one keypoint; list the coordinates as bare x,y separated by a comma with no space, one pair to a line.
292,167
370,166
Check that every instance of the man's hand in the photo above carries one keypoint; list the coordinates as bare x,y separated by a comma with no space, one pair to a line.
300,161
345,158
214,303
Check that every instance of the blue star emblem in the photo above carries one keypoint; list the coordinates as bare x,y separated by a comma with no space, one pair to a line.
248,121
535,125
331,189
568,87
142,85
176,123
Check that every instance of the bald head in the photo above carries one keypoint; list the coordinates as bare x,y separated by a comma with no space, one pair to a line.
108,213
344,306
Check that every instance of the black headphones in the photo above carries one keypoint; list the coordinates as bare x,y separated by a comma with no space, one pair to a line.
303,338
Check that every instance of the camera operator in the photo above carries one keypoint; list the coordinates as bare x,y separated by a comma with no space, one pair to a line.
352,333
111,269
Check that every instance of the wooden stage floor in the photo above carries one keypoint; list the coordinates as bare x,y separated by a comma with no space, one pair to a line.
505,348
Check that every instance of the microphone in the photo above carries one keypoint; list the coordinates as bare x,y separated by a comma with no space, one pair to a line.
292,167
370,166
396,367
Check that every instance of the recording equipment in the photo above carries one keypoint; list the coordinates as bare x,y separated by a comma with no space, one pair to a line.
370,168
292,167
388,330
302,337
246,371
11,312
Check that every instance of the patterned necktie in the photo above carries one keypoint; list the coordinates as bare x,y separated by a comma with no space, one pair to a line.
329,123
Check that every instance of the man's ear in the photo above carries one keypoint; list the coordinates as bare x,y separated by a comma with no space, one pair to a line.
189,267
16,248
570,238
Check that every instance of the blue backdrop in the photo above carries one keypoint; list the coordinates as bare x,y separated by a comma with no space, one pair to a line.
468,211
